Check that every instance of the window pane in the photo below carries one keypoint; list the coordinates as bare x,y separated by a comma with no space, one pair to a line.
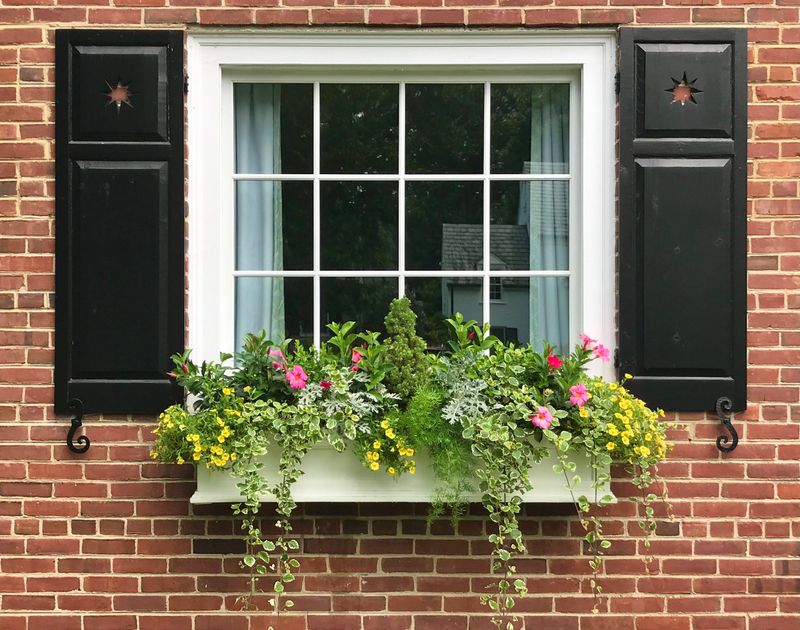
359,225
359,128
283,307
274,127
362,300
444,225
530,225
274,225
444,128
530,128
533,310
434,299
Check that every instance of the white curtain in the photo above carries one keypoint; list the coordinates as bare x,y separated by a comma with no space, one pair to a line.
548,215
259,238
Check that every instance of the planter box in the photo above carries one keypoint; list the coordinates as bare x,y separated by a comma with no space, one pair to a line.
340,477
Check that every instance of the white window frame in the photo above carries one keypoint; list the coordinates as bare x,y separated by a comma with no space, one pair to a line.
215,60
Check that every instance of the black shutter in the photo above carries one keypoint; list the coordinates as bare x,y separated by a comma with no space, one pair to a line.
682,233
119,219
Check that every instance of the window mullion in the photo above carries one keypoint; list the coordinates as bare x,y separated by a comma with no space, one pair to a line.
401,190
487,208
316,220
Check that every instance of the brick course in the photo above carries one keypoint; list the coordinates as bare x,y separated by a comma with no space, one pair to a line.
108,541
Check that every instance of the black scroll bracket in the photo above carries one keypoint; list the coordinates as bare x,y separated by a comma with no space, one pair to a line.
724,443
83,442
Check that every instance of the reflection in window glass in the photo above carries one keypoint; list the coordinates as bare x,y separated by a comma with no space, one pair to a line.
530,225
274,225
444,128
533,310
434,299
359,128
362,300
283,307
436,212
530,128
359,225
274,130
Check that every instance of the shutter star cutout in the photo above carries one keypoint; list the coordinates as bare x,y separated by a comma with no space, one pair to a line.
683,91
118,95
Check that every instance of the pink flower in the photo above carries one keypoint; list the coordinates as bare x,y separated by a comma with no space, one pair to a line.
278,365
354,368
356,356
579,395
554,362
601,352
542,418
297,377
587,341
325,385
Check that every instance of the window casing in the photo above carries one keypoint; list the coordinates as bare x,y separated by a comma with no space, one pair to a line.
217,63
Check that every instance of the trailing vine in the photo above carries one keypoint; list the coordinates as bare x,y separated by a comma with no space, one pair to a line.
483,412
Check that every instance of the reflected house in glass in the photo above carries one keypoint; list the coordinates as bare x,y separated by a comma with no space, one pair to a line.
510,246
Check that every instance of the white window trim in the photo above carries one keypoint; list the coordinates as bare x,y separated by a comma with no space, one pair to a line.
588,55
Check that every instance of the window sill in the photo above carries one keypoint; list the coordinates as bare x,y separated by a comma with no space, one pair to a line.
332,477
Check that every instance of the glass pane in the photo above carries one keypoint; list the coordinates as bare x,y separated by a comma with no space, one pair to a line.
444,225
274,127
359,225
530,225
444,128
283,307
274,225
532,310
434,299
530,128
359,128
362,300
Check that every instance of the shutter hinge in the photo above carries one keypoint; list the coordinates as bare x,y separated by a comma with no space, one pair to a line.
616,358
616,83
185,83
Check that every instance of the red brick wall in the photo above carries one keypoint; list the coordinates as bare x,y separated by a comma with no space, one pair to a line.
108,540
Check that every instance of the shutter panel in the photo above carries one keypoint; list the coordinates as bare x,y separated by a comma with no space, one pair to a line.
119,219
682,248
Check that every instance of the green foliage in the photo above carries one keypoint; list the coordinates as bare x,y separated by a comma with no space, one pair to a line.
449,452
484,411
405,351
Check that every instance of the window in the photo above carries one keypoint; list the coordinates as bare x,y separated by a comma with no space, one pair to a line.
331,173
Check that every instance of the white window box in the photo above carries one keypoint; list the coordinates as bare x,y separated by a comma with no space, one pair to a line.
332,477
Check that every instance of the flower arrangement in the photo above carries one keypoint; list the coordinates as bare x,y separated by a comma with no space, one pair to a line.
483,409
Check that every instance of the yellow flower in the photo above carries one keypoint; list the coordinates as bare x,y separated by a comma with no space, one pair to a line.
180,460
410,452
611,446
190,438
391,470
612,386
390,433
376,445
384,424
644,451
629,413
374,457
234,457
227,391
221,439
374,466
196,456
613,430
412,469
626,440
648,437
247,389
153,454
628,376
583,413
